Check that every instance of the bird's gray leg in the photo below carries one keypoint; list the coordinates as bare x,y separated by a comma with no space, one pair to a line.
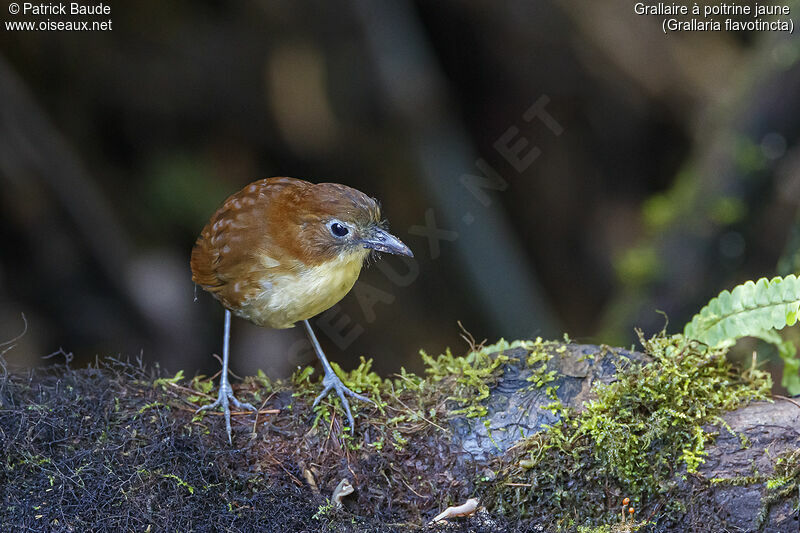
225,395
331,380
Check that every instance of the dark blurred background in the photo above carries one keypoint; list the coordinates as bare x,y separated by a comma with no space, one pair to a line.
555,166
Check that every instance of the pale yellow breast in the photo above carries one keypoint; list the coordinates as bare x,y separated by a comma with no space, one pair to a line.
292,297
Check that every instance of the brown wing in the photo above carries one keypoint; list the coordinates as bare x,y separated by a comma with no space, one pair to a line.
237,246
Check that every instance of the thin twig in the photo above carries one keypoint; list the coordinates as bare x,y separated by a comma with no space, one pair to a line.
220,413
419,415
294,479
258,412
187,390
411,489
68,356
405,378
11,342
778,396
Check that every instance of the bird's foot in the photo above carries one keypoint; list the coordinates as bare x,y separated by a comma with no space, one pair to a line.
224,399
332,381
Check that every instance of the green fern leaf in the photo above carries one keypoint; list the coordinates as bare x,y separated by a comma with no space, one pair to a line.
749,310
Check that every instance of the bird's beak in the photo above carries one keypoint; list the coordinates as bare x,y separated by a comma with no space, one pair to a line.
383,241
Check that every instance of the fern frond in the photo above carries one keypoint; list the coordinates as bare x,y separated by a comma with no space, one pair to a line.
749,310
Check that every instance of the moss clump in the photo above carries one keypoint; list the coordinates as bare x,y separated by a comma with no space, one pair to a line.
630,439
470,378
783,483
621,527
541,353
461,382
666,403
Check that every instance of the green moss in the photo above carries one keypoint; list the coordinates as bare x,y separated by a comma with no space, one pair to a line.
202,385
362,379
151,405
541,353
463,382
783,483
163,383
621,527
179,481
629,440
469,379
664,402
301,379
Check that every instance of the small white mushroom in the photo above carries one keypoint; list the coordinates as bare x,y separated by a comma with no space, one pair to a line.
342,489
465,509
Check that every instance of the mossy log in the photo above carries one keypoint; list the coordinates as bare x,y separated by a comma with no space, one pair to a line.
119,447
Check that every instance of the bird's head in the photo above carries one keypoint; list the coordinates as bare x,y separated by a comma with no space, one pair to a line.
336,221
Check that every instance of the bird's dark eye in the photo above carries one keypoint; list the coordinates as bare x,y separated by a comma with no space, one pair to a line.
339,230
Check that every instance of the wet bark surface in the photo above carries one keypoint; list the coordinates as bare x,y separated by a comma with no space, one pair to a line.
517,410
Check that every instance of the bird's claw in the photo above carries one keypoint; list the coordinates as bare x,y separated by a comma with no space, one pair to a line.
332,381
224,398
